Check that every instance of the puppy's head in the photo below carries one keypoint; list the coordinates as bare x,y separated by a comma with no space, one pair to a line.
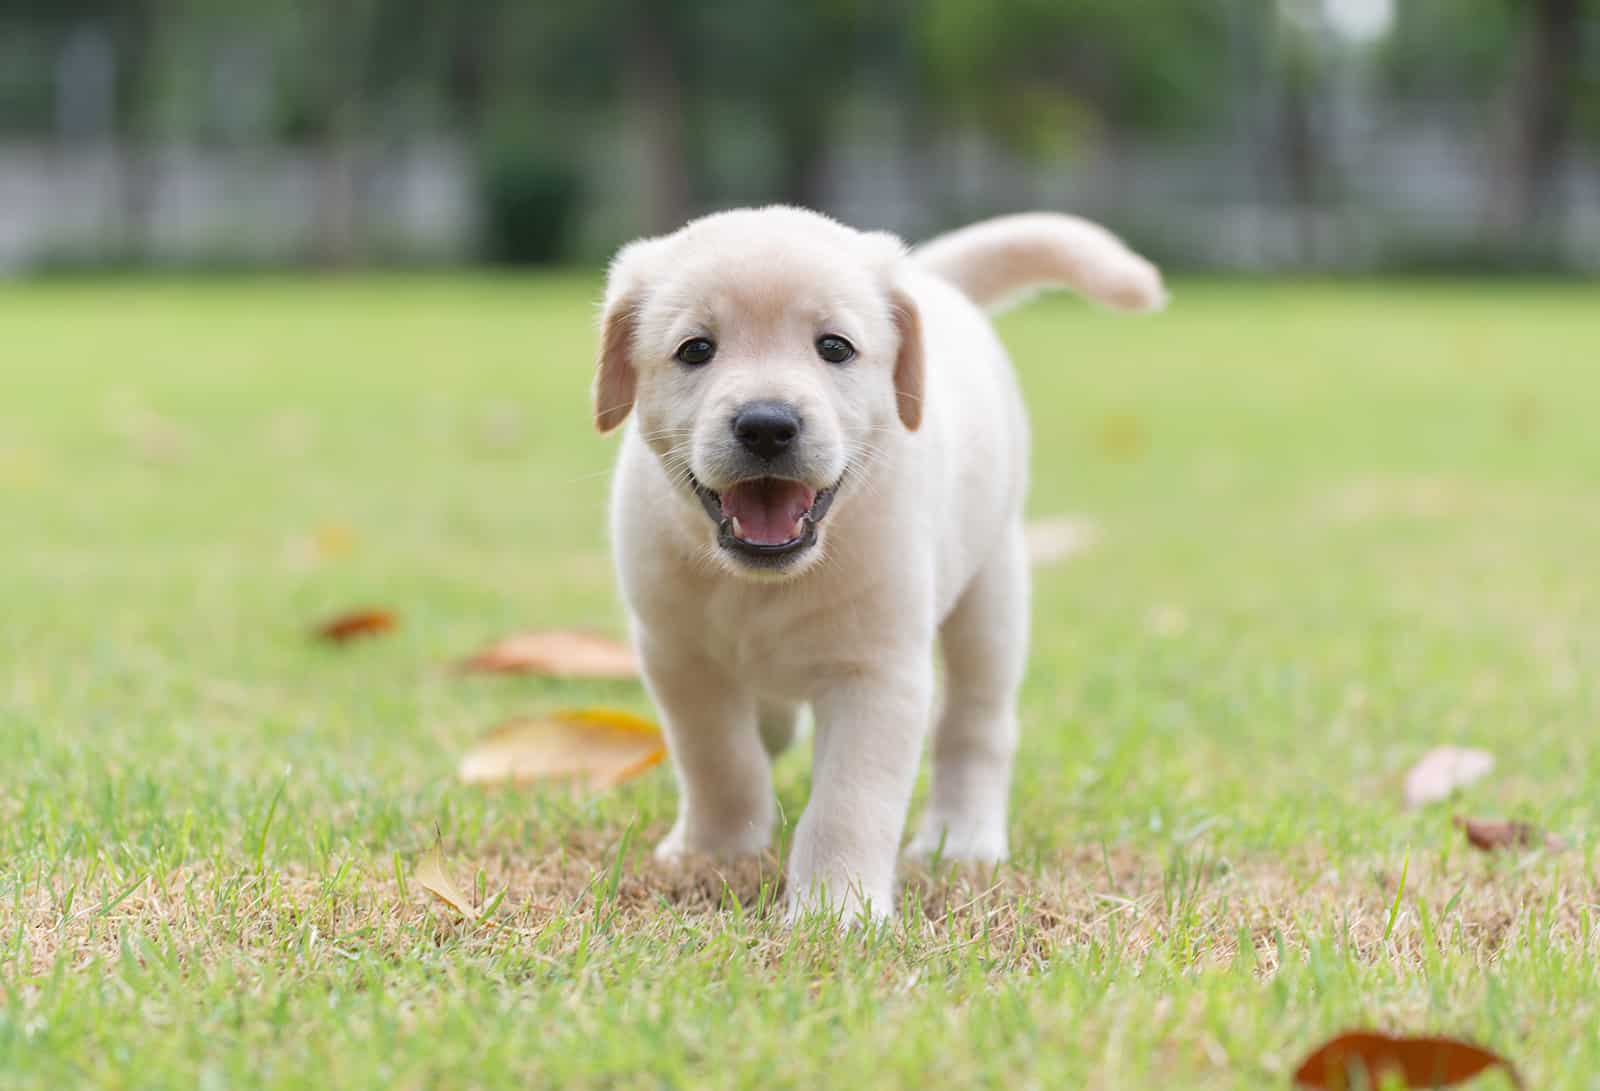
764,353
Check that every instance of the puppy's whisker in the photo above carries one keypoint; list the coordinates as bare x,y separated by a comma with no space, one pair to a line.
589,476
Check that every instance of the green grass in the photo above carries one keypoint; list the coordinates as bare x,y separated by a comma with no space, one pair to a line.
1341,524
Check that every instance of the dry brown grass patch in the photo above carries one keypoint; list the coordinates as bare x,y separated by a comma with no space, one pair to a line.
1126,903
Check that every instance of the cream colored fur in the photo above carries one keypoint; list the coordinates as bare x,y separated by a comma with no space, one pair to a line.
925,431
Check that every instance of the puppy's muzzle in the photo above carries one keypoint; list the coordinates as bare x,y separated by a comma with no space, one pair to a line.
766,429
766,518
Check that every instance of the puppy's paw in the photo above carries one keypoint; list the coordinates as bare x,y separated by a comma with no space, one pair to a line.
671,847
847,912
965,842
724,844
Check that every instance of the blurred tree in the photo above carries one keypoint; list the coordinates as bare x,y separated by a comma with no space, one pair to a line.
653,110
1138,64
1537,125
1525,69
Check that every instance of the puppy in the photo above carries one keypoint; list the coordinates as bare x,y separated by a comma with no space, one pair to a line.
823,474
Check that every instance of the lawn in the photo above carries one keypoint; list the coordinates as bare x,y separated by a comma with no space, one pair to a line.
1340,524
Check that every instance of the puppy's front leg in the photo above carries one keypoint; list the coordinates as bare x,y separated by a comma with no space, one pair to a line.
869,740
725,801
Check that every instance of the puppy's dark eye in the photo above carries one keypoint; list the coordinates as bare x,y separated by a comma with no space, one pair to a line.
835,350
695,351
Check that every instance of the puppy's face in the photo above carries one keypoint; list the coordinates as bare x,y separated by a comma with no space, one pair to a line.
765,353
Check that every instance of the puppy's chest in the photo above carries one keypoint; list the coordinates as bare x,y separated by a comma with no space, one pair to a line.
778,646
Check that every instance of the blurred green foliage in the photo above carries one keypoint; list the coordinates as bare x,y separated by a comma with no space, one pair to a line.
692,104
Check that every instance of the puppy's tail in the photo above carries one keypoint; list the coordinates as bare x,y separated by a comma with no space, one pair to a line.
1001,262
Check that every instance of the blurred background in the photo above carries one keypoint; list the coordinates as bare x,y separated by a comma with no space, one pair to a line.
1351,135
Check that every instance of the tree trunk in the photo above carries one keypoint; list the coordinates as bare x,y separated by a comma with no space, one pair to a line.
1523,206
340,234
137,173
656,94
1299,143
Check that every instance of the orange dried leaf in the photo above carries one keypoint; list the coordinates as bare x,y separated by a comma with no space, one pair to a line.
595,747
333,540
1442,770
358,623
1364,1058
430,875
1490,834
558,653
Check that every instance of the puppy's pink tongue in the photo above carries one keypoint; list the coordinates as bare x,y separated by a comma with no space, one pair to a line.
768,509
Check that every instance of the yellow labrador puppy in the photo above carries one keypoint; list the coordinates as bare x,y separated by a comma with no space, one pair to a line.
823,475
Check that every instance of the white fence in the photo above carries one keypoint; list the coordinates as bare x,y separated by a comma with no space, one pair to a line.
1386,196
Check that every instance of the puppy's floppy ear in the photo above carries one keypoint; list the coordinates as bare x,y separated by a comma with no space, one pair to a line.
908,361
888,252
615,376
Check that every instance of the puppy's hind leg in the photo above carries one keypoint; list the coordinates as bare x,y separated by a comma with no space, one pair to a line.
985,647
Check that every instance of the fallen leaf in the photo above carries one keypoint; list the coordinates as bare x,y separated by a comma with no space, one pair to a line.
1167,621
334,540
430,876
1523,415
1442,770
20,469
1056,538
1366,1058
328,542
1490,834
559,653
1122,437
358,623
596,747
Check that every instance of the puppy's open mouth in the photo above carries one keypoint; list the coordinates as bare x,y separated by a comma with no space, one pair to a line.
766,516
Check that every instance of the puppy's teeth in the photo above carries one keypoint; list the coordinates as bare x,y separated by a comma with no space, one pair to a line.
738,531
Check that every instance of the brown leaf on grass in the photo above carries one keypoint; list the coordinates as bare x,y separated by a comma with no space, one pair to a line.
430,875
1490,834
1442,770
355,624
1365,1058
559,653
597,748
1058,537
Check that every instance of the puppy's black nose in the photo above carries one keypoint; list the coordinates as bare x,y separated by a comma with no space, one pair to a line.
766,429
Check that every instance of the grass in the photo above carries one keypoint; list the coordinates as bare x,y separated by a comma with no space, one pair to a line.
1341,525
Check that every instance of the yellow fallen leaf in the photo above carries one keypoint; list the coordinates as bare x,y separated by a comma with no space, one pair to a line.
334,540
1122,437
430,875
595,747
559,653
20,470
